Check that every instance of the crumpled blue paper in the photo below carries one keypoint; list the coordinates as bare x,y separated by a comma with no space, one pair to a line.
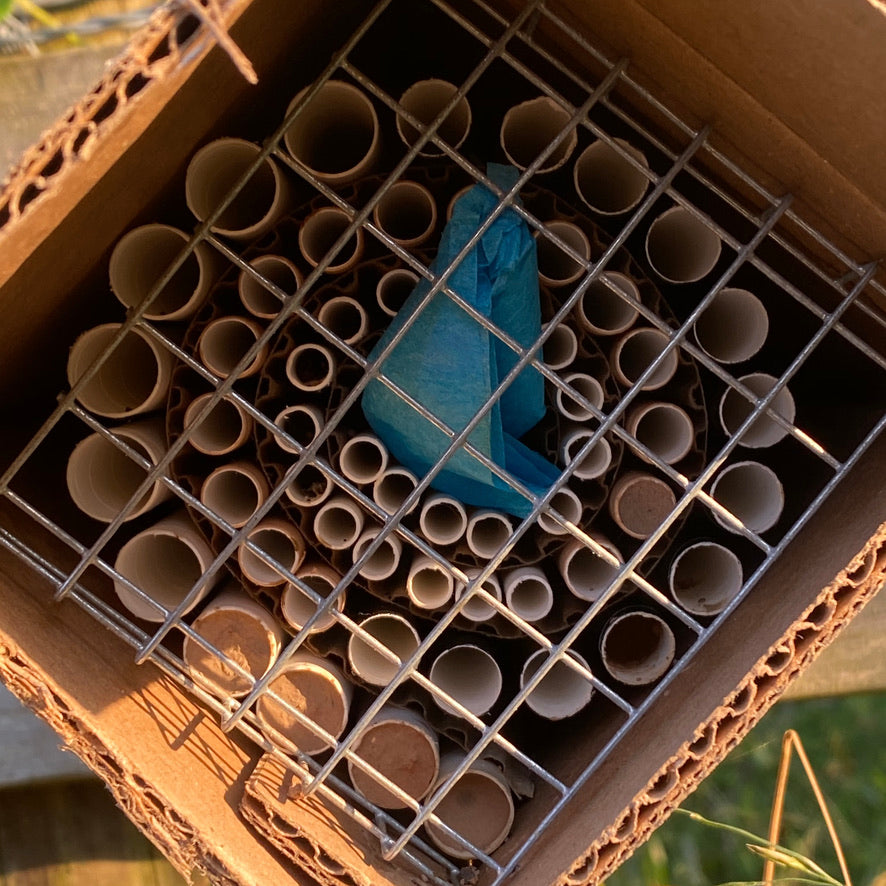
450,364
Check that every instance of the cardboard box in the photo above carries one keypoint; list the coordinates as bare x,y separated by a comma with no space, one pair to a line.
793,94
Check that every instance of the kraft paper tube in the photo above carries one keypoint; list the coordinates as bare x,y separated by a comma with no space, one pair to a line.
235,491
315,688
664,428
637,648
752,493
602,311
635,351
102,479
479,807
560,347
477,609
216,168
282,542
338,522
395,634
733,327
392,487
556,267
402,747
640,502
705,577
595,463
243,631
133,379
225,428
345,318
224,343
528,593
585,572
588,387
336,135
425,100
680,247
301,422
562,692
383,562
143,255
393,289
607,181
568,505
450,208
255,296
297,607
318,235
763,431
528,128
442,519
310,367
164,561
407,213
470,676
363,459
487,533
310,487
429,585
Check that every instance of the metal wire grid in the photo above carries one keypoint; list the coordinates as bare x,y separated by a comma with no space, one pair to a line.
397,839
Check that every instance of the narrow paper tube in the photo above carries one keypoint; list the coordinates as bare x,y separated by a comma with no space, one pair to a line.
393,289
603,311
235,491
528,593
562,692
705,577
338,522
336,134
560,347
216,169
585,572
555,267
751,492
133,379
310,367
309,487
487,533
477,609
225,428
425,100
429,584
407,213
282,542
568,505
402,747
592,465
315,688
680,247
443,519
363,459
102,479
637,648
585,385
607,181
301,422
665,429
297,607
763,431
318,235
164,561
255,295
733,327
395,634
392,487
345,318
383,562
143,255
635,351
640,502
470,676
224,343
528,128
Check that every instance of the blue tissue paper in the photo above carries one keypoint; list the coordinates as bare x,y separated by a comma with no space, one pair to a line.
450,364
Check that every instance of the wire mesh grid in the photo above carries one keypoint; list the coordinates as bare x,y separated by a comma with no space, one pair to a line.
818,302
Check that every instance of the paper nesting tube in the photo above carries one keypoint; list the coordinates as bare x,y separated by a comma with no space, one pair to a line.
528,593
310,367
255,295
345,318
568,505
309,488
640,502
607,182
426,100
407,213
225,428
637,647
587,574
586,386
216,169
763,431
133,379
560,347
164,561
429,584
336,134
705,577
282,542
363,459
752,493
234,492
319,233
470,676
442,519
143,255
477,609
528,128
592,465
395,634
393,289
302,422
392,487
243,631
733,327
635,351
602,311
680,247
297,607
315,688
665,429
562,692
338,522
102,479
224,343
487,532
555,267
383,562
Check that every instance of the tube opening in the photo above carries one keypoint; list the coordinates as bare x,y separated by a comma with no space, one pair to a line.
425,101
568,505
763,431
705,578
603,311
556,267
586,386
528,129
470,676
395,634
586,573
636,351
256,297
234,493
528,593
487,533
302,423
477,609
363,459
595,462
297,607
309,487
319,234
733,327
383,562
392,488
225,427
751,492
345,318
393,289
406,213
280,545
607,181
338,523
680,247
562,692
428,584
310,367
640,502
443,520
560,347
225,342
637,648
665,429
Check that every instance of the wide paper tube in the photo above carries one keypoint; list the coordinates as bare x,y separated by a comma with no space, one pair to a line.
468,675
607,181
555,267
282,542
426,100
310,487
752,493
595,463
297,607
345,318
477,609
586,386
442,519
225,342
635,351
225,428
407,213
528,128
338,522
382,563
705,577
763,431
566,503
320,232
562,692
234,492
392,487
665,429
429,584
637,648
395,634
603,311
260,301
487,533
310,367
680,247
301,422
363,459
560,347
528,593
733,327
393,289
640,502
586,573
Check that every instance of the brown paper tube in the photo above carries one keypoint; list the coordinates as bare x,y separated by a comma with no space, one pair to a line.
143,255
595,463
297,607
680,247
363,459
395,634
587,574
133,379
560,347
255,295
477,609
555,267
637,648
338,522
528,593
402,747
216,169
562,692
763,431
310,367
639,503
487,533
392,487
243,631
164,561
102,479
393,289
425,100
665,429
224,343
733,327
752,493
528,128
585,385
429,585
635,351
315,688
450,208
383,562
470,676
282,542
345,318
442,519
336,135
607,181
309,488
301,422
235,491
318,235
407,213
602,311
705,577
224,429
568,505
479,807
